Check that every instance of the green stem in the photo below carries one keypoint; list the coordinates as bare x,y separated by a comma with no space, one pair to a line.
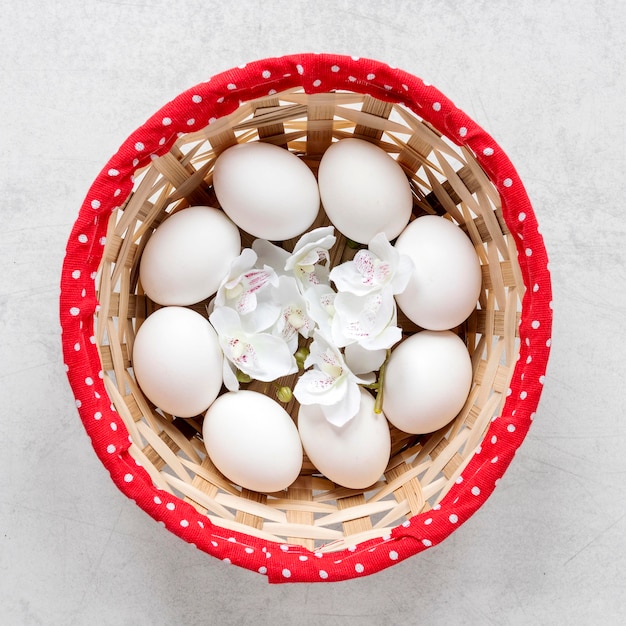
373,386
378,404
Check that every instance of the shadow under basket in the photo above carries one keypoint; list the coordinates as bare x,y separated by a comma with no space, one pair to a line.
314,530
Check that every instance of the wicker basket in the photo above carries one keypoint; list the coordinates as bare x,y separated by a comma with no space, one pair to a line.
314,530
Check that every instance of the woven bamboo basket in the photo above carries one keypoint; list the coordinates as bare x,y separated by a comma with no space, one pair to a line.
315,529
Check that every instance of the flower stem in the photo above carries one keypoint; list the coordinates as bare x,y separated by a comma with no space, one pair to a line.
378,404
373,386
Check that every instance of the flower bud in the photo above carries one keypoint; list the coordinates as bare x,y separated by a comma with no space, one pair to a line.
284,394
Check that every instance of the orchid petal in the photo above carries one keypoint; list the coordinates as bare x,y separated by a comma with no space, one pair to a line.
362,360
380,247
270,254
320,301
383,341
230,376
365,320
348,278
322,237
316,387
273,358
263,318
224,320
402,275
343,411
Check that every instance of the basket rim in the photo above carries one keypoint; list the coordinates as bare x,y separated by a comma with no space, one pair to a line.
206,103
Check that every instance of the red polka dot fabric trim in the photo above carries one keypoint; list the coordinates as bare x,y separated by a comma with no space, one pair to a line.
202,105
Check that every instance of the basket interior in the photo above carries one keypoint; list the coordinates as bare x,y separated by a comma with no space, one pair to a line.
446,180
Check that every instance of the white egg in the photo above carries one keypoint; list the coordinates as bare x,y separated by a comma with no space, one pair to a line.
363,190
446,280
187,256
354,455
177,361
266,190
427,381
253,441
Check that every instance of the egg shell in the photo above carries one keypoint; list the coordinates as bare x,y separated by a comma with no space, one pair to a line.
354,455
253,441
266,190
177,361
427,380
187,256
363,190
446,280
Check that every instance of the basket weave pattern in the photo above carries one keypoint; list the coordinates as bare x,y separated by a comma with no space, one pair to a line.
314,530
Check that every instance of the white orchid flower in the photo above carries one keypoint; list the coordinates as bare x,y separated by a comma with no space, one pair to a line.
310,256
381,266
329,384
294,318
320,301
240,288
261,355
369,320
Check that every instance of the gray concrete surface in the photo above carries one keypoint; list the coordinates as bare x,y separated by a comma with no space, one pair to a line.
546,79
